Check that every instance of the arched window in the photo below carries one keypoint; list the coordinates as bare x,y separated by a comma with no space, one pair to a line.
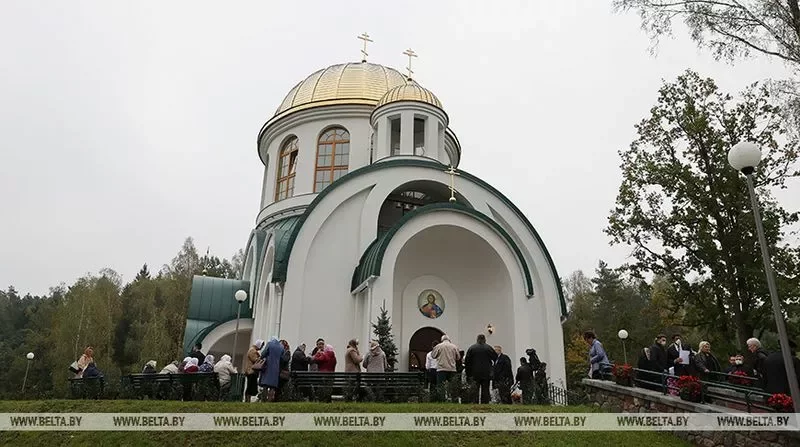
287,165
333,157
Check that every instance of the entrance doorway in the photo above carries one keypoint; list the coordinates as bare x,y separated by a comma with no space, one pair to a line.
420,345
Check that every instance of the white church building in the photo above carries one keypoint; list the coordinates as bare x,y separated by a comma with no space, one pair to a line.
363,206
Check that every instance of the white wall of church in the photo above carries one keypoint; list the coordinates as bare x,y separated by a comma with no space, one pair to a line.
317,298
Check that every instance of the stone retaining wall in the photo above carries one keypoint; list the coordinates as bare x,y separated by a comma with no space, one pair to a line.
621,399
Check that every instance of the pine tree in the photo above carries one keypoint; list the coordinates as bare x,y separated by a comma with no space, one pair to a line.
143,274
383,331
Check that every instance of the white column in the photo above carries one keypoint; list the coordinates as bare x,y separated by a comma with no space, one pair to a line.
432,137
367,303
278,310
407,133
270,317
382,138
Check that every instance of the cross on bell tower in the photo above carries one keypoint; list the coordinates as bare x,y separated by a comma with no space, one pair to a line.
410,53
365,38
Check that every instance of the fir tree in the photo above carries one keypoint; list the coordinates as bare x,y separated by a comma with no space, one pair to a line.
143,274
383,331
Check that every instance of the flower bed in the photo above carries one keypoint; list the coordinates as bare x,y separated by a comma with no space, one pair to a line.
623,374
689,388
781,403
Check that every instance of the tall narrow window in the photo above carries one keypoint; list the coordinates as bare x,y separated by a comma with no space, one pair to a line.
394,138
287,164
333,157
419,136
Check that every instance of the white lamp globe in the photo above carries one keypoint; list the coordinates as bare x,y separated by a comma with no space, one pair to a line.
240,295
744,156
29,356
622,334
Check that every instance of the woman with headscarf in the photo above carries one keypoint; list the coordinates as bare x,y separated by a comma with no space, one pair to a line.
326,359
183,364
375,359
149,367
224,368
171,368
86,358
352,357
270,373
191,367
253,356
208,364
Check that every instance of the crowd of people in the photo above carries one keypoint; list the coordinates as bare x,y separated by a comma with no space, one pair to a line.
268,367
760,368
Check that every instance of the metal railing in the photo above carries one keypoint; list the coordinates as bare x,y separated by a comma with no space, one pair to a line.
751,398
560,396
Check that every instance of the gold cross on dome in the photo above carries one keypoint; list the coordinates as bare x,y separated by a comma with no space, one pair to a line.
365,38
410,53
453,173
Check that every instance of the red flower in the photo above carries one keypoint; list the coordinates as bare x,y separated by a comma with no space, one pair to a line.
622,371
781,402
689,386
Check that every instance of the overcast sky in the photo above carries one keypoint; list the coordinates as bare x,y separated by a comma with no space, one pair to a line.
127,126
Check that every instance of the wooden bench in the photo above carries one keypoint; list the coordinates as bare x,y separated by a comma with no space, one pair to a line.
87,388
191,386
397,386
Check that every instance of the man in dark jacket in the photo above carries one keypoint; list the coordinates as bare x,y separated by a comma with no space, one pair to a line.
503,375
674,358
775,371
198,354
758,356
657,362
525,380
478,364
300,360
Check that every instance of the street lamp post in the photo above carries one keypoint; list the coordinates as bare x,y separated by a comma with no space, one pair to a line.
744,157
623,335
28,356
240,297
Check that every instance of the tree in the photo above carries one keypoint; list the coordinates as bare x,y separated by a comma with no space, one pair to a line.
237,264
686,212
730,28
143,274
383,330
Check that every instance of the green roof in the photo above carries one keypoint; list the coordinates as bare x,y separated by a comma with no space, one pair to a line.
283,231
371,260
212,302
282,264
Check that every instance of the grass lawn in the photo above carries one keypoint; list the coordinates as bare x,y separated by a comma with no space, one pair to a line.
360,439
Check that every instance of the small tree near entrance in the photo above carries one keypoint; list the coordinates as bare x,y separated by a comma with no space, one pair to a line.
383,331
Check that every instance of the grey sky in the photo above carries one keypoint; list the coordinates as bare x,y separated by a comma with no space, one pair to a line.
127,126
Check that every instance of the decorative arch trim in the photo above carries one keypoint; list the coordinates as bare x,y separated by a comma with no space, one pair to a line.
370,263
281,267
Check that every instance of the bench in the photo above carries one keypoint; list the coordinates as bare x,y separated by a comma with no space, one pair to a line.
87,388
398,386
192,386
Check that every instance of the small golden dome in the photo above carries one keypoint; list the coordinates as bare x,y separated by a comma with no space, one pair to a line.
353,83
410,91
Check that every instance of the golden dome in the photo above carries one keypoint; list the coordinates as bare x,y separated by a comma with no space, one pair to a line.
353,83
410,91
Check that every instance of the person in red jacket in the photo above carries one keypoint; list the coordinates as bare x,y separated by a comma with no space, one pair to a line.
326,359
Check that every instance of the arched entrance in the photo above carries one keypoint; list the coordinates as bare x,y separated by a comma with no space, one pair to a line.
420,345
